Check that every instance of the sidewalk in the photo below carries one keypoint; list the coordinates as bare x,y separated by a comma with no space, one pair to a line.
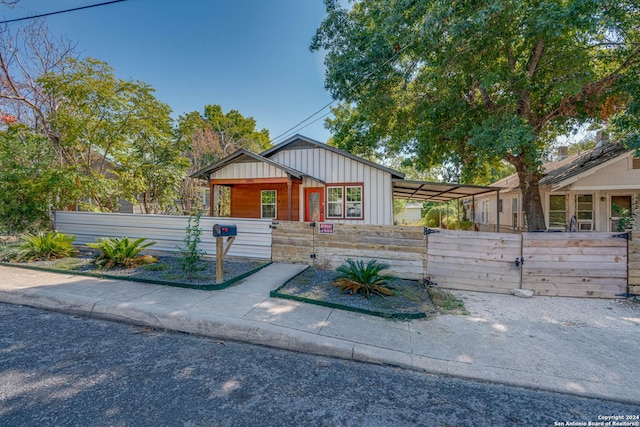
569,345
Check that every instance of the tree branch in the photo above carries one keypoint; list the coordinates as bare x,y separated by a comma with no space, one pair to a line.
534,59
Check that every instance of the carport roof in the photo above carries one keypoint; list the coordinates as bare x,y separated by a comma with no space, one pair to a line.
436,191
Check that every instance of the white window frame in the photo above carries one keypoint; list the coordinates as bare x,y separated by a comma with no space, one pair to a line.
585,224
484,209
343,201
515,211
549,211
348,202
274,204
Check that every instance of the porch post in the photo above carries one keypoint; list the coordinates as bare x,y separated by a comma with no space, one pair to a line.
498,211
289,203
473,211
212,196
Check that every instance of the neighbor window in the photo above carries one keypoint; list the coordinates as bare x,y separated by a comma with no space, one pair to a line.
557,212
344,201
514,213
268,203
584,211
485,212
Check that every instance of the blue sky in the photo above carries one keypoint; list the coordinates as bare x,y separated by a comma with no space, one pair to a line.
248,55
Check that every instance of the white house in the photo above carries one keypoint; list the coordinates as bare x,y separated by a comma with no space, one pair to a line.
581,192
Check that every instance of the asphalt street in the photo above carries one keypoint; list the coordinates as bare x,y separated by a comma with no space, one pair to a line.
58,369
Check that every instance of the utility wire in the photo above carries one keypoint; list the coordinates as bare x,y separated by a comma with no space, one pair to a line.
358,83
8,21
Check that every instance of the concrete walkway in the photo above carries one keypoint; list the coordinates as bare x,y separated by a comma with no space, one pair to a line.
570,345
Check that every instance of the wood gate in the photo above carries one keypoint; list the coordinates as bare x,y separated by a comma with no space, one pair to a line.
575,264
474,261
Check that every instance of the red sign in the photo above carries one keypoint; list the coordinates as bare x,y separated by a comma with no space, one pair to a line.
325,228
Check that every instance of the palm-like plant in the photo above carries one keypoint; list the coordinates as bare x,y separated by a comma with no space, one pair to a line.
122,252
46,246
356,277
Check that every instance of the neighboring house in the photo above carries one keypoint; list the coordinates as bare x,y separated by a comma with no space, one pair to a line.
411,214
578,192
305,180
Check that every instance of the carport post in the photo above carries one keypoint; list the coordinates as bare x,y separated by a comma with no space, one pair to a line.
498,211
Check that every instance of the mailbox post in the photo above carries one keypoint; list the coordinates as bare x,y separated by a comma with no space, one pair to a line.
220,231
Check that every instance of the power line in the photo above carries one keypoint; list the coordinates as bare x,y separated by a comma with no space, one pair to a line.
8,21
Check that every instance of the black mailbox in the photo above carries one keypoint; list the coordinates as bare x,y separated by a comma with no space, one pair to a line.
225,230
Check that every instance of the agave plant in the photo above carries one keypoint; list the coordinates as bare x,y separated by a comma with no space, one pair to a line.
355,277
46,246
123,252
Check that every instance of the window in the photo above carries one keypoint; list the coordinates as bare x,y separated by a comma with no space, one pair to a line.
334,202
557,212
514,213
354,202
485,212
636,163
268,203
584,212
344,202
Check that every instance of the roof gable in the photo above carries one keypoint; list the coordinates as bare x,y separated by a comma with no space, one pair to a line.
241,156
298,141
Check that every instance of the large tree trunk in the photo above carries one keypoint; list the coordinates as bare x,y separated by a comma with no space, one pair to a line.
531,200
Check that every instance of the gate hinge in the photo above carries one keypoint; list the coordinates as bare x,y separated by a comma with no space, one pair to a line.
272,226
428,231
519,261
312,256
312,224
628,235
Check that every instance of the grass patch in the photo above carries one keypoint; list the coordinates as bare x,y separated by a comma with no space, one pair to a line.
155,267
70,264
445,301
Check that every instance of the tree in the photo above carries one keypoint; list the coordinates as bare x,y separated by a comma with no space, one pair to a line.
115,135
212,136
466,83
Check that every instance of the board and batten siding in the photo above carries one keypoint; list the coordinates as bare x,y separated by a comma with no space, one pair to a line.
248,170
168,231
333,168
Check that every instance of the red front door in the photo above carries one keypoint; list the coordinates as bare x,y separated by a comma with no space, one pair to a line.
314,204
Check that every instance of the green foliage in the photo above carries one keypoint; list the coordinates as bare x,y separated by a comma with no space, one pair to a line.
112,138
356,277
210,136
191,254
46,246
627,217
460,85
121,252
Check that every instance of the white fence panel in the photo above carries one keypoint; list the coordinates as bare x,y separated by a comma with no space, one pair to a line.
168,231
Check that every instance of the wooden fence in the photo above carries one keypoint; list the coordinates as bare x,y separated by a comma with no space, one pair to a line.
574,264
474,261
561,264
403,248
634,264
168,231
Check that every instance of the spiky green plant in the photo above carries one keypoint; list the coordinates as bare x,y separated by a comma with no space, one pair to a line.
45,246
355,277
122,252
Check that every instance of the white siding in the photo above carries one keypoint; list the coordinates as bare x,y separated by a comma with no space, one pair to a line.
168,231
333,168
248,170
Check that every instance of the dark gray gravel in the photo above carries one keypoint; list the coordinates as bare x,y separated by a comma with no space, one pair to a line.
167,268
58,370
317,284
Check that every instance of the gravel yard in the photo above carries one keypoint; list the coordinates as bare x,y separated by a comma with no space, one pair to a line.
410,296
167,268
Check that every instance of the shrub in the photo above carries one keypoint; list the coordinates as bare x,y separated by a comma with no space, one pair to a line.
356,277
123,252
191,254
45,246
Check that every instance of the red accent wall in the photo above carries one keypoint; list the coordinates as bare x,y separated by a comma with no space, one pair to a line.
245,200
